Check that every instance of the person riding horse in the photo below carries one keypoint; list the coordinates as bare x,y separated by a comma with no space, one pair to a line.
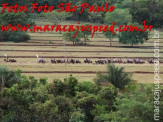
53,61
87,61
41,60
130,60
6,59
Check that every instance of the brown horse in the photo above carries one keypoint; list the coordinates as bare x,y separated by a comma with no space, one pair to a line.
53,61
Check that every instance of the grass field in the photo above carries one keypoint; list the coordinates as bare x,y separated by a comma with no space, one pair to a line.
51,45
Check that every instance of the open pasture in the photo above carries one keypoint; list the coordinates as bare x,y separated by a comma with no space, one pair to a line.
50,45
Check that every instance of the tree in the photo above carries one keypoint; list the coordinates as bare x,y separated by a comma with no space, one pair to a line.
95,17
116,16
123,4
135,105
133,37
85,34
87,86
119,16
43,81
9,77
116,76
44,111
150,10
68,36
87,104
77,116
109,35
57,87
64,106
20,3
55,17
70,85
109,93
14,19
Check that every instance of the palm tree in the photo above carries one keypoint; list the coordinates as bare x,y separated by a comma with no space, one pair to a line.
116,76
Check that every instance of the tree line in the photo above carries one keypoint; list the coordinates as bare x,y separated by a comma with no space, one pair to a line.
150,10
127,12
112,97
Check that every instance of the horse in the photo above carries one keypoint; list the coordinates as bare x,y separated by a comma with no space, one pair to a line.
100,61
6,60
161,62
139,61
41,60
115,60
59,61
72,61
87,61
151,61
12,60
53,61
130,61
109,61
78,62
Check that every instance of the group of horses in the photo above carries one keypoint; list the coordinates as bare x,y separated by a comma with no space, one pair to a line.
119,60
124,61
73,61
59,61
10,60
88,61
99,61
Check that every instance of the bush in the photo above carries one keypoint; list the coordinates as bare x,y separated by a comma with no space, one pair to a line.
57,87
64,106
87,86
43,81
77,116
8,77
70,85
109,93
14,36
18,37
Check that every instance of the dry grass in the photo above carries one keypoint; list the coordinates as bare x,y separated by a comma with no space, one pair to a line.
80,54
29,64
140,78
33,66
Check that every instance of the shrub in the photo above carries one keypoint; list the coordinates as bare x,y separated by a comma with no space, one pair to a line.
87,86
8,77
18,37
70,84
57,87
43,81
108,93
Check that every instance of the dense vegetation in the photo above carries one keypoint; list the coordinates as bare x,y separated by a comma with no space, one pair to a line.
112,97
14,19
140,10
127,11
28,99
